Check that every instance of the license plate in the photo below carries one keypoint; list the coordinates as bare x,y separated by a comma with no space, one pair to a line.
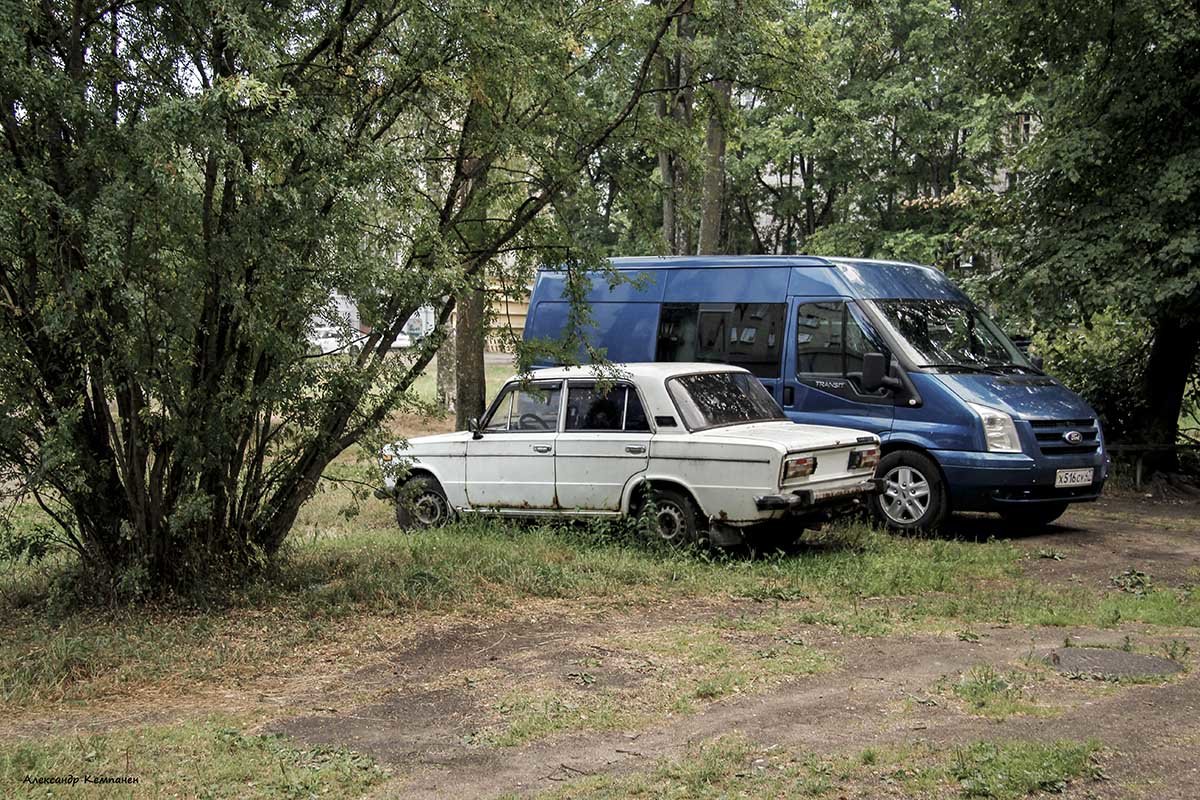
1073,477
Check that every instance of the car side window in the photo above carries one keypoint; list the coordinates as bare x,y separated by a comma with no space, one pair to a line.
502,412
532,409
830,340
588,409
635,415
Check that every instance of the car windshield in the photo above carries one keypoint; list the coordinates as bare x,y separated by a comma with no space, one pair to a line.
710,399
951,335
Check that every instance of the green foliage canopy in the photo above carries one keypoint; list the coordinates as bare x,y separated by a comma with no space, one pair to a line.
183,185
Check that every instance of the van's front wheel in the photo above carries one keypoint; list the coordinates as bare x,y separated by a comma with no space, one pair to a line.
914,496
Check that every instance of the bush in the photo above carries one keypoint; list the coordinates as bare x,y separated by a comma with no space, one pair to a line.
1103,361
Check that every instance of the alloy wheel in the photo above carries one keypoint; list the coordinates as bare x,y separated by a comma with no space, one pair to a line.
905,495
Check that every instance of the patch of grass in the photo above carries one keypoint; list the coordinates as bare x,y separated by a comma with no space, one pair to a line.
209,758
1029,603
675,670
989,693
703,665
1010,770
732,767
529,716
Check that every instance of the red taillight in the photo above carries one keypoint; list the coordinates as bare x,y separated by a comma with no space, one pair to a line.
799,467
864,459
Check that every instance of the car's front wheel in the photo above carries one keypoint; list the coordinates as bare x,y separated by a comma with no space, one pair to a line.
671,517
914,496
421,503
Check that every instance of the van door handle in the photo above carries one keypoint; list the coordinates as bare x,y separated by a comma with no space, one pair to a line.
636,449
541,448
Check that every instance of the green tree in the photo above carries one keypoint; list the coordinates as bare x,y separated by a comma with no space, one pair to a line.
182,186
1107,214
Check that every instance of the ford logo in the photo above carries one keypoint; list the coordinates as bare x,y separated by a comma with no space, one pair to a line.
1073,437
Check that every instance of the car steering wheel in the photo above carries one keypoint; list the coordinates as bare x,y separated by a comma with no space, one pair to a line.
541,423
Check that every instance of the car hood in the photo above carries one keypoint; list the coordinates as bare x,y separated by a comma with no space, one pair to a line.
1024,396
789,435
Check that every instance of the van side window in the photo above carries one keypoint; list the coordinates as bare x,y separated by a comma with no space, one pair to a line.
830,340
747,335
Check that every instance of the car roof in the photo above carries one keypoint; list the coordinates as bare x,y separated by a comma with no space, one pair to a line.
659,371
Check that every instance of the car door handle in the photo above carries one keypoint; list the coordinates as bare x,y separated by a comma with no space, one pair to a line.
636,449
541,448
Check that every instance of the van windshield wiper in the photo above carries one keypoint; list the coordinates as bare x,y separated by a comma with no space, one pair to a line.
964,368
1025,369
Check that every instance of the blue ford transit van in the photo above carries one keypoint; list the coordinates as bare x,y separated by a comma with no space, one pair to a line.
968,422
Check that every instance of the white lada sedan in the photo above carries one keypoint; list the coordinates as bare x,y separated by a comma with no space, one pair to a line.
702,449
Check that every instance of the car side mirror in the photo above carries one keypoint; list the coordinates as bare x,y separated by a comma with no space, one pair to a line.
473,427
875,374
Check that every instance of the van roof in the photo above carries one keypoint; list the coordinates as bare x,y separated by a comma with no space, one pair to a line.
645,370
699,262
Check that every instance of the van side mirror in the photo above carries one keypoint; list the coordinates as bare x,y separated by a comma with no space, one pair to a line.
875,375
473,427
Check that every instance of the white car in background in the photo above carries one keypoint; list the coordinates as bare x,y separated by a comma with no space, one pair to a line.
704,448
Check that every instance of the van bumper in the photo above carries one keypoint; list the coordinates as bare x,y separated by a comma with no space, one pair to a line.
991,481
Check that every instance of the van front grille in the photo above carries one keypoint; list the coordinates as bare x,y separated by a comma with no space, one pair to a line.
1052,436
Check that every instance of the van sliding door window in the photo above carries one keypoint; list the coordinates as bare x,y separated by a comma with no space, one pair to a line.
831,341
746,335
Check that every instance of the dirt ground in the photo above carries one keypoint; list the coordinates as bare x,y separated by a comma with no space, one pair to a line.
537,697
432,697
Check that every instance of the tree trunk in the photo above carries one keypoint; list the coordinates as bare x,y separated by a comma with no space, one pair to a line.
470,383
1172,358
667,171
447,368
714,169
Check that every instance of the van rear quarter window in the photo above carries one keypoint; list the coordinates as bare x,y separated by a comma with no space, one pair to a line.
624,330
747,335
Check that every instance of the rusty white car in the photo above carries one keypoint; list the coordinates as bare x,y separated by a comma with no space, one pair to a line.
702,449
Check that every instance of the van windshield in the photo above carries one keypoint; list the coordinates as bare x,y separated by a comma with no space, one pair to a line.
710,399
951,335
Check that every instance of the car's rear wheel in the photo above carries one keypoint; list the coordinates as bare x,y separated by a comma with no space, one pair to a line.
1034,516
671,517
421,503
914,497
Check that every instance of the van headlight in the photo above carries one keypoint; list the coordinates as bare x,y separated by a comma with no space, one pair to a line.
998,430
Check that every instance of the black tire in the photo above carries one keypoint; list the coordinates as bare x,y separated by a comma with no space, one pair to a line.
421,503
671,517
914,498
1034,516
